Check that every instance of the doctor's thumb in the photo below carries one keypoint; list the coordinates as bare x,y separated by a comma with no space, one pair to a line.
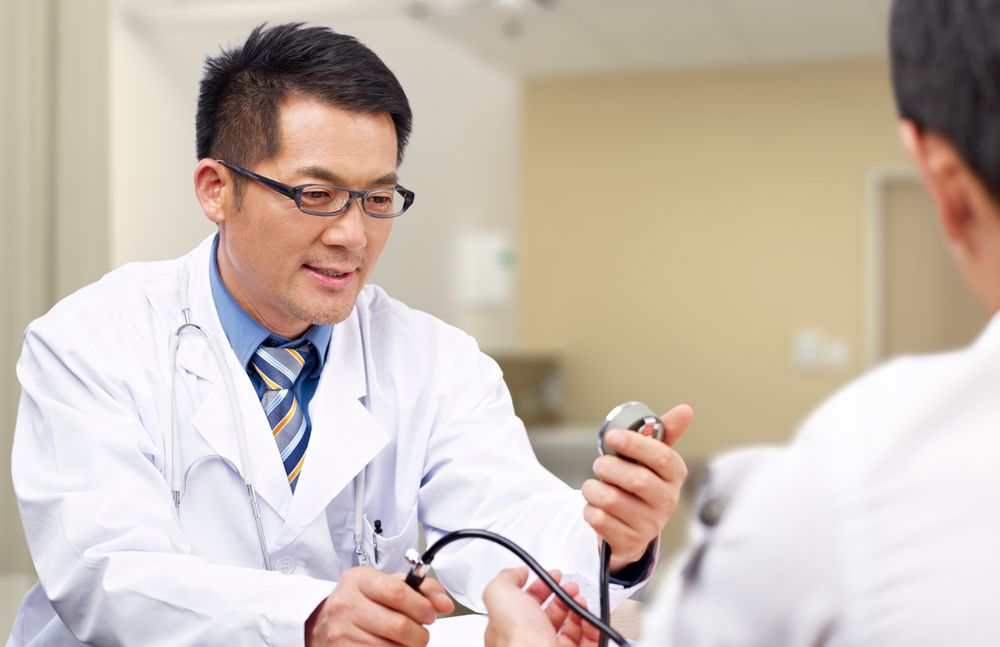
676,422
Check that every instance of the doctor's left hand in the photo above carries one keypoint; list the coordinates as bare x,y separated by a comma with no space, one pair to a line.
632,502
369,607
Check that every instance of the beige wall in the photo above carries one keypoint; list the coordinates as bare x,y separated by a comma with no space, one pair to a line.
26,30
52,127
8,336
678,229
81,235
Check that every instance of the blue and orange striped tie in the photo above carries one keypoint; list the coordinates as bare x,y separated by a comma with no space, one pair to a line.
279,368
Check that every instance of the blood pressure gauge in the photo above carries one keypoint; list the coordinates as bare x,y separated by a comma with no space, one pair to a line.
630,415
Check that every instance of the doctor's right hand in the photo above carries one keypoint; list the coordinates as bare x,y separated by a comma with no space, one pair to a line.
369,607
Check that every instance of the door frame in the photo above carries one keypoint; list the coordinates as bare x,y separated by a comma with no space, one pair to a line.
873,274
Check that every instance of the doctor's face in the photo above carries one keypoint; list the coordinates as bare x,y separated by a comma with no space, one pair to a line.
288,269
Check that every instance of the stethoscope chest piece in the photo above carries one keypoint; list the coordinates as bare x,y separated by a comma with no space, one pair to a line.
633,415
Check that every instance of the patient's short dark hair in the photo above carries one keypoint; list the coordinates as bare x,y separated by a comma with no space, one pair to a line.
243,87
946,76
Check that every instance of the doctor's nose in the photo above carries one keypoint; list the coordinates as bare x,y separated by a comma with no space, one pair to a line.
348,230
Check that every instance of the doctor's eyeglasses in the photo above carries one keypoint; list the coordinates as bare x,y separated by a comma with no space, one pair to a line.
327,200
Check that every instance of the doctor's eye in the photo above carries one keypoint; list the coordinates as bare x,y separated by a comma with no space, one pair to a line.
388,201
317,197
381,202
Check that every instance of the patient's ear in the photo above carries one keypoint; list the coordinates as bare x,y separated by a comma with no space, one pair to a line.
948,180
966,208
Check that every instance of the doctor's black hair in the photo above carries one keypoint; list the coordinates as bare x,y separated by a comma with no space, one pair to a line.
946,76
242,89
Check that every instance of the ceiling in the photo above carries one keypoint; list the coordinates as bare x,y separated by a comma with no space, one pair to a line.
538,38
595,36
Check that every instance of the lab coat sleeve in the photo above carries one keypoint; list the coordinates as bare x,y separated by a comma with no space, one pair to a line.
762,565
482,473
99,520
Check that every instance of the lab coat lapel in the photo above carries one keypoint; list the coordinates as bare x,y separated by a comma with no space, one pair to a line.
345,436
212,418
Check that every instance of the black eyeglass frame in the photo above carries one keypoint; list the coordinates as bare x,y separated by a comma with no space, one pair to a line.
295,193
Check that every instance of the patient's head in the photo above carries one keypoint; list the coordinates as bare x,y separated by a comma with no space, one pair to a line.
946,76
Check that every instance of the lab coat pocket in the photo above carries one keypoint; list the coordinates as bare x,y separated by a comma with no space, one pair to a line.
385,545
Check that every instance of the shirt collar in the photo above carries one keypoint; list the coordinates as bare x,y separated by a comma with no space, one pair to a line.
245,335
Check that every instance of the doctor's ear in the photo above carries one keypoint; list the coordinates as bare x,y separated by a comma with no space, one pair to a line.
212,185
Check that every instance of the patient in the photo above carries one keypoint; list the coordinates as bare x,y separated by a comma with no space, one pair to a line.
878,524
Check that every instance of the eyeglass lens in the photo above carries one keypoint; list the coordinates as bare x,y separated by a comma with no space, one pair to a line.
326,199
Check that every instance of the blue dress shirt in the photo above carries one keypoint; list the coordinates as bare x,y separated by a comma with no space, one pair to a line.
245,335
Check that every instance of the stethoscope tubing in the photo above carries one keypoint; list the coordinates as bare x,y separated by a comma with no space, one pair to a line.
239,429
417,573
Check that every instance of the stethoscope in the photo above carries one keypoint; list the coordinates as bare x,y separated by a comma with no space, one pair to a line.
178,476
632,415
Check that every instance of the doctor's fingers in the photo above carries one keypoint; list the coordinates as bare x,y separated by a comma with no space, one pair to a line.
656,464
647,514
627,522
391,592
627,541
433,590
371,608
360,621
641,482
382,626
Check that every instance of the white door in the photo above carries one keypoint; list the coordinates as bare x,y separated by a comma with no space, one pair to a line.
922,303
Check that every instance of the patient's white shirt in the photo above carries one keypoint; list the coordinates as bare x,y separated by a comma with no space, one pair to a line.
879,525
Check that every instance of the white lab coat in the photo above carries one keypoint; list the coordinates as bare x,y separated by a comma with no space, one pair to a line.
877,526
116,566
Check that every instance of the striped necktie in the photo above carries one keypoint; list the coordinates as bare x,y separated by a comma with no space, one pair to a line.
278,368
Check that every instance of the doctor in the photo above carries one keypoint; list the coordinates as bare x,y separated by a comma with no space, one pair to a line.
237,446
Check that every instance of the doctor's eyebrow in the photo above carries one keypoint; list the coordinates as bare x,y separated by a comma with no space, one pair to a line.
326,175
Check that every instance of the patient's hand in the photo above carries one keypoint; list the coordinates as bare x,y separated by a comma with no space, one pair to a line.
517,618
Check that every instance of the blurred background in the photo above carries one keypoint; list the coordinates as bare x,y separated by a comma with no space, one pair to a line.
698,201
